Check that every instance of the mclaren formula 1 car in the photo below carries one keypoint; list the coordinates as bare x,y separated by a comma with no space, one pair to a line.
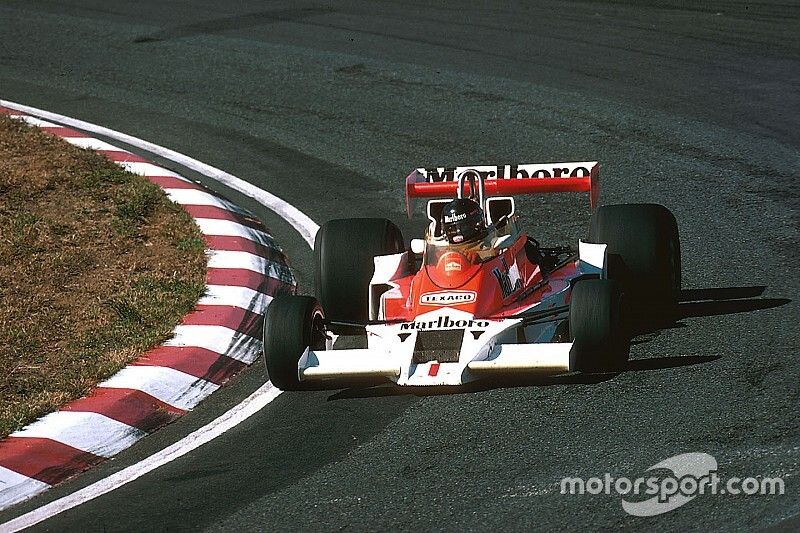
477,296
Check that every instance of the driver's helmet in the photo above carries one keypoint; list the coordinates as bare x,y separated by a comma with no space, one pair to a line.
462,221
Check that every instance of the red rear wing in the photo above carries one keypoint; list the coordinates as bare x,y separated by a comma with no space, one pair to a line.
507,180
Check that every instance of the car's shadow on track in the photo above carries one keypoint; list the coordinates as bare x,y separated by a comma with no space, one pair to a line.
725,301
692,303
695,303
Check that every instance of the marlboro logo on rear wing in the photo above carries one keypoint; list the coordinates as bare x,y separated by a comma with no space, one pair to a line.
507,180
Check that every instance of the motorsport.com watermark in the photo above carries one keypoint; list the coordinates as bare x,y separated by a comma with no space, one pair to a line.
693,474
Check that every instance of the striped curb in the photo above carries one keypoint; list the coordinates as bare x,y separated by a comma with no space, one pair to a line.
221,336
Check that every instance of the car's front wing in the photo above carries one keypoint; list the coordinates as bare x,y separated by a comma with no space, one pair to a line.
498,360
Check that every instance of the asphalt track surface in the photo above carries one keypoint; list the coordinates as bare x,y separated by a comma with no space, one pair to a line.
329,105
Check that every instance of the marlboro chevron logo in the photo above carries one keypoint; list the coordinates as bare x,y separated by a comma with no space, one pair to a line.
444,322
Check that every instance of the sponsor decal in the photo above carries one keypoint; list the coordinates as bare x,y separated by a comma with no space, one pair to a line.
452,266
508,277
455,218
444,322
448,298
510,171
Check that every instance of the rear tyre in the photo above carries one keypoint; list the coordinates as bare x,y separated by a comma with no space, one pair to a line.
644,253
344,250
600,343
291,324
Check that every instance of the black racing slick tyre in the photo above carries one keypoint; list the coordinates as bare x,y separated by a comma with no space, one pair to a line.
344,250
291,324
600,342
644,253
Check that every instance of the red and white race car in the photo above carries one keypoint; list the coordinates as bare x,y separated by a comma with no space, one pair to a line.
476,297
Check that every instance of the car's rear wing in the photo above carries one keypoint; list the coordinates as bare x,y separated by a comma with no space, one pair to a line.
507,180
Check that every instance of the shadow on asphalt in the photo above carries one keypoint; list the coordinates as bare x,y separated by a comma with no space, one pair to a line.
691,303
725,301
694,303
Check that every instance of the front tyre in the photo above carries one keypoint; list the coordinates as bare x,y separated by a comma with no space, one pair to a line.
600,343
291,324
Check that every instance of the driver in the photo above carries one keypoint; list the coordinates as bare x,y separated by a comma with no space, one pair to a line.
463,222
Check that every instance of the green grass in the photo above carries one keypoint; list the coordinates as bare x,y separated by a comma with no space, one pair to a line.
97,266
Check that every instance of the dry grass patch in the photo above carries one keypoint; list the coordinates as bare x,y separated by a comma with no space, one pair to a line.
96,267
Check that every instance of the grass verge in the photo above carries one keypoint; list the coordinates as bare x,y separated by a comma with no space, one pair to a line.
96,267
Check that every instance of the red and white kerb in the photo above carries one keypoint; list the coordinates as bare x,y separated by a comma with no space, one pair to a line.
216,340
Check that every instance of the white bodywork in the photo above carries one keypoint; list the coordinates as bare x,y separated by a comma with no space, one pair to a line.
592,254
391,351
487,347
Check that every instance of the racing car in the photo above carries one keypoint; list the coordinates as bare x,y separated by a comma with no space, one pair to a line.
477,296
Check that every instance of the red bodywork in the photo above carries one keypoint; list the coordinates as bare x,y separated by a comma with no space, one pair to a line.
490,289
